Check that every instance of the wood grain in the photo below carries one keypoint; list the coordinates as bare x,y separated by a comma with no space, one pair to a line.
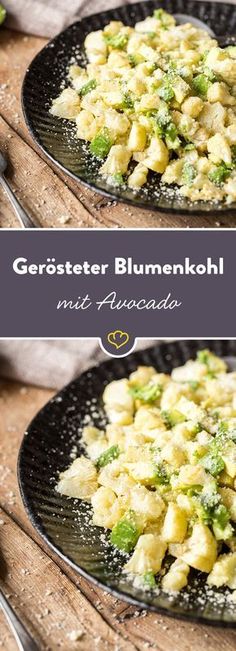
63,202
74,604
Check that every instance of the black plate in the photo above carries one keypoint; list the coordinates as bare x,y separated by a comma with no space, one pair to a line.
57,137
65,523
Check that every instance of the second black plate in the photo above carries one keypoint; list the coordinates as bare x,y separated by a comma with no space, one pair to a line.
65,524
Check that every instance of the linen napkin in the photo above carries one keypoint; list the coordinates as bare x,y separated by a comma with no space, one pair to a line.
51,363
48,17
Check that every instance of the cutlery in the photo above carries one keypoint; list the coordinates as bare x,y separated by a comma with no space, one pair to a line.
23,638
223,41
25,220
185,18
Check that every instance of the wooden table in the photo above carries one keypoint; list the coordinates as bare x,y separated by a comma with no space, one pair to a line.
54,199
50,598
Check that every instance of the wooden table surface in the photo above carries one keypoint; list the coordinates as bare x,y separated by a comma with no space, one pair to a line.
52,599
54,199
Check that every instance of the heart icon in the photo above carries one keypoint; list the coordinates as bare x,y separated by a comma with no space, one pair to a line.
118,338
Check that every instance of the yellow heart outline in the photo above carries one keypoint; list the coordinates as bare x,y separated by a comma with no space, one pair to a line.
121,334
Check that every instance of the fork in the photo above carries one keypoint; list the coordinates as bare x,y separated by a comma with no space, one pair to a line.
25,220
23,638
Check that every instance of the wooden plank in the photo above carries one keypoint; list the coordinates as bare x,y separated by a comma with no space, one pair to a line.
44,196
17,51
47,602
144,630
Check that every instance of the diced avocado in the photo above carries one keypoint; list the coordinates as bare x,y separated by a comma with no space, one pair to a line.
163,116
108,456
135,59
171,136
189,173
166,92
148,393
149,580
118,179
3,14
213,463
172,418
128,102
91,85
161,475
200,84
214,513
101,144
220,523
125,533
220,173
116,42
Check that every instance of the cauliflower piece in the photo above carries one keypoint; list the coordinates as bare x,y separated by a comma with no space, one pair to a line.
117,161
79,480
146,503
229,457
230,133
137,86
173,172
198,551
230,189
148,418
142,471
157,156
96,48
148,555
173,454
220,62
190,475
180,88
115,435
229,500
117,123
107,508
87,125
213,117
175,524
224,571
177,577
148,102
192,106
137,137
219,92
67,105
119,404
191,371
189,409
95,441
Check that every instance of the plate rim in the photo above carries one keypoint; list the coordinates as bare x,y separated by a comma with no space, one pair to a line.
119,594
196,212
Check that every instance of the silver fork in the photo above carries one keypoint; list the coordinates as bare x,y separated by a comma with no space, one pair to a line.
23,638
223,41
185,18
25,220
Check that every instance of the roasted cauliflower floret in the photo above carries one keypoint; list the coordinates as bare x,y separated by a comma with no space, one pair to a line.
80,480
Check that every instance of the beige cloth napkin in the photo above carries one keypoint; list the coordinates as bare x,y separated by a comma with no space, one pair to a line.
48,17
51,363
